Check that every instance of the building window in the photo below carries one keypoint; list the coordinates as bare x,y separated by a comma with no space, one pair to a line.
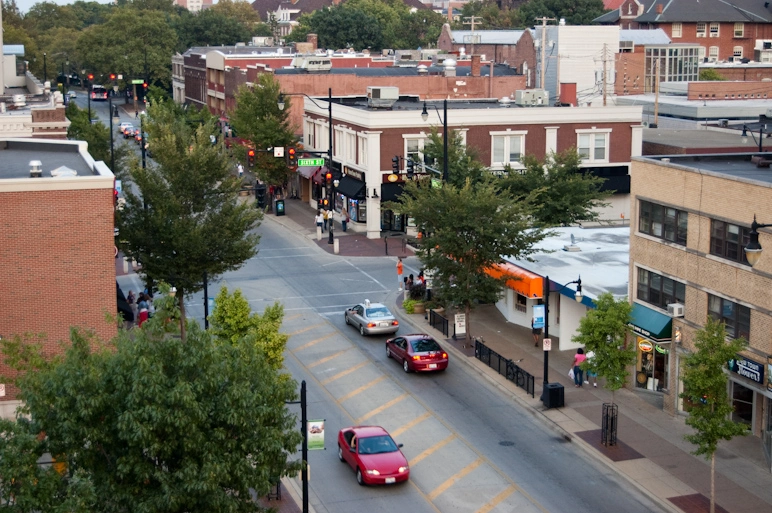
507,150
677,29
728,240
522,303
714,29
592,145
737,51
736,317
362,150
351,147
701,29
739,29
338,146
663,222
414,149
713,53
658,290
310,138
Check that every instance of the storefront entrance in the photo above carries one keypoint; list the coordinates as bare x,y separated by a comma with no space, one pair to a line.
653,331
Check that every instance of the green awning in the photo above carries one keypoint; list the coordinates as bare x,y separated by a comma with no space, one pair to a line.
651,324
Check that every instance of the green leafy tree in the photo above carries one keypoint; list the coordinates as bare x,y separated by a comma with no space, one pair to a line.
575,12
463,161
711,75
233,321
561,192
347,27
164,425
604,331
240,10
259,120
705,389
471,227
492,15
12,17
209,26
97,135
187,219
45,16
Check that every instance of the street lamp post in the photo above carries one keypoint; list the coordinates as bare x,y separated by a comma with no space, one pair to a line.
444,120
45,69
745,135
753,249
577,296
304,446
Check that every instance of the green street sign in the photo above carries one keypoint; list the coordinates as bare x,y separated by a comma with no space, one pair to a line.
137,81
310,162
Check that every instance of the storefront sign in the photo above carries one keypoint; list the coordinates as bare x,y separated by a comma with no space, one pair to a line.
645,346
661,350
392,178
538,316
746,368
353,173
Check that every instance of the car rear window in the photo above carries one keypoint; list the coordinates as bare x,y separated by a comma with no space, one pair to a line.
376,313
425,345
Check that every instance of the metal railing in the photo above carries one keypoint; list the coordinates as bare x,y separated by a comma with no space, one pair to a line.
438,322
504,366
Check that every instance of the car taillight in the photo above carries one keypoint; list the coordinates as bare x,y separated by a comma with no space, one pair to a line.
371,325
395,323
416,357
444,355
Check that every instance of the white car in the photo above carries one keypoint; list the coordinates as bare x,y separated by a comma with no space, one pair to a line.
72,94
125,125
371,318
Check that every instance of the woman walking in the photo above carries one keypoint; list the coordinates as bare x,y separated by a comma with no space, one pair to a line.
579,357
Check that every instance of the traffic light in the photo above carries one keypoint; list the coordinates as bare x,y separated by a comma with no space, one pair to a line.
112,77
260,190
324,180
395,165
251,158
144,86
90,77
292,161
326,203
328,177
410,168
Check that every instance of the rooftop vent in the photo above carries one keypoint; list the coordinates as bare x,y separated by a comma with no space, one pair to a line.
505,101
35,169
422,69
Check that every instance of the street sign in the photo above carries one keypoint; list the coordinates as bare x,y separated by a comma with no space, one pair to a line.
278,151
137,81
311,162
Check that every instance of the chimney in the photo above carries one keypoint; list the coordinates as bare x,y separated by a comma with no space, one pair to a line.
659,8
314,40
475,65
568,94
35,169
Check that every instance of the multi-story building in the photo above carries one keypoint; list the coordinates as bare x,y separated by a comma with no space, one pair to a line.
366,137
691,218
56,245
194,5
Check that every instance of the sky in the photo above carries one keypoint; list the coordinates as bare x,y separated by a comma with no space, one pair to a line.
24,5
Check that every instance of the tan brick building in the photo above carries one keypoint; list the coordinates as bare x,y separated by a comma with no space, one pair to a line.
691,218
56,246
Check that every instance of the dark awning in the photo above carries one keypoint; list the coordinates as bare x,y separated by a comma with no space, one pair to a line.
651,324
351,187
308,171
391,191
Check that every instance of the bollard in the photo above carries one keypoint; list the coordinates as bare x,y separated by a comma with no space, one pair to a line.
386,243
336,246
318,233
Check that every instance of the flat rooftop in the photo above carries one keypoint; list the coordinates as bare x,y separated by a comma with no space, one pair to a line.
737,166
16,155
417,104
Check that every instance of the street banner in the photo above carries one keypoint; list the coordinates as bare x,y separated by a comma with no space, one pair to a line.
315,435
538,316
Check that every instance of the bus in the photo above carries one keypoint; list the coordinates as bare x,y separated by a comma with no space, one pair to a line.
98,93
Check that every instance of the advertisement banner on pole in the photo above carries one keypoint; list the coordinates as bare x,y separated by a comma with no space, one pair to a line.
315,435
538,316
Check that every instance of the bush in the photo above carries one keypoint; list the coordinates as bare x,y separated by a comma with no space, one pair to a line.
409,305
418,292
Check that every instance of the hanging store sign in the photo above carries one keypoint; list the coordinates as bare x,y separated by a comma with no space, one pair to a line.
746,368
645,346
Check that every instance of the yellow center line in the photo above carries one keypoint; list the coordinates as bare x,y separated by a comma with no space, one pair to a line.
432,449
362,388
345,372
410,424
307,328
381,408
452,480
497,499
293,317
316,341
326,359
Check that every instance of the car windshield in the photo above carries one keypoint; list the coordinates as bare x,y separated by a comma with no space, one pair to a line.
376,445
378,313
425,345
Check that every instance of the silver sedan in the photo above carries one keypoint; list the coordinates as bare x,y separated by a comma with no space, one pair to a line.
371,318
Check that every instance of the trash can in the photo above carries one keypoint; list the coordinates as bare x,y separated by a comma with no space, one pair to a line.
553,395
278,207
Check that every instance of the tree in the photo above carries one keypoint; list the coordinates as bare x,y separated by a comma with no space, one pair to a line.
201,28
463,161
164,425
259,120
711,75
575,12
470,227
347,27
97,135
705,390
240,10
604,331
187,219
561,192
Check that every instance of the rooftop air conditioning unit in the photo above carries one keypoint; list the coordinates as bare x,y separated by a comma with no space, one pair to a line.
382,97
675,309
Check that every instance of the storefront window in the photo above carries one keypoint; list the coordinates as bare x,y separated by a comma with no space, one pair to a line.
742,401
652,365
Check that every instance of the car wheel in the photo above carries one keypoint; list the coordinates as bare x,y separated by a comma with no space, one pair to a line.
388,352
360,478
405,366
361,330
347,321
340,453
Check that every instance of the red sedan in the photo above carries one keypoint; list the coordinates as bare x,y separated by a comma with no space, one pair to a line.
373,455
418,353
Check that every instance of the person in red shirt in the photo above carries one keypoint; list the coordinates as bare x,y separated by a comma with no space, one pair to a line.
579,357
399,272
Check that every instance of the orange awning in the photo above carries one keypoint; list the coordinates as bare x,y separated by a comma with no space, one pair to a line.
528,284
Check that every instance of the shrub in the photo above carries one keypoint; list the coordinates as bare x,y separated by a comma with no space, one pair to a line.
409,305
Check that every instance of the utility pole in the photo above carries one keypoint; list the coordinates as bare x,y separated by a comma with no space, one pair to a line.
656,92
543,70
605,82
471,20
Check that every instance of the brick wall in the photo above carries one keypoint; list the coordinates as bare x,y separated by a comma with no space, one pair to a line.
58,265
729,90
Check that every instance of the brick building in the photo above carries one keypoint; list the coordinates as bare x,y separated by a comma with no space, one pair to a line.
367,138
691,218
56,245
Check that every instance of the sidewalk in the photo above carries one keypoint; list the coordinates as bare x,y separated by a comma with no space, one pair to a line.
651,453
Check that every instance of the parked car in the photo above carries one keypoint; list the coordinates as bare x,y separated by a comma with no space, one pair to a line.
72,94
371,318
129,133
125,126
417,353
373,454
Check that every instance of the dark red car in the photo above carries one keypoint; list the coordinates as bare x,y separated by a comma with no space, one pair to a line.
417,353
373,455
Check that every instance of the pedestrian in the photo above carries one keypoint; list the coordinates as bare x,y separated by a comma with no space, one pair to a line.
399,272
344,221
409,283
536,332
240,169
319,219
136,114
592,376
326,217
132,300
579,357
